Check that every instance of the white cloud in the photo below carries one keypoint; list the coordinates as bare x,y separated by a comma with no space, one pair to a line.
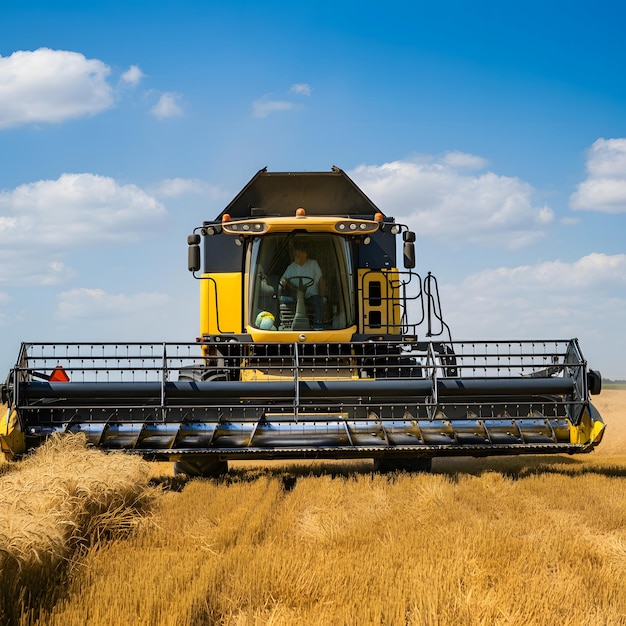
77,210
84,312
605,186
7,223
44,220
96,304
551,300
266,106
95,313
167,106
132,75
591,271
464,161
51,86
176,187
33,267
302,89
440,200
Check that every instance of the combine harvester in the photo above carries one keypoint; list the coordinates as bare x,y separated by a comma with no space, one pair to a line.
307,351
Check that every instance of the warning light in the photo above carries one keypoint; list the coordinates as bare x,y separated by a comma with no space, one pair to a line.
300,212
226,217
378,217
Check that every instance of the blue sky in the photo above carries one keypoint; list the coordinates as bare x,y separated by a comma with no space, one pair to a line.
497,131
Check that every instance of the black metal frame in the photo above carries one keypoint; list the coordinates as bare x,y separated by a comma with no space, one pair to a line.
363,399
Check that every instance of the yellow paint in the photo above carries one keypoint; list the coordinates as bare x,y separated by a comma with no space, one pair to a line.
590,430
314,224
343,335
345,371
220,303
380,313
274,374
12,439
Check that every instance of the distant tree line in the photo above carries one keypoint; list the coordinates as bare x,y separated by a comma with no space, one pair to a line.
609,381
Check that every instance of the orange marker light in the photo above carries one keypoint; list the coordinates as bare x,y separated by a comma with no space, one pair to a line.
300,212
378,217
226,217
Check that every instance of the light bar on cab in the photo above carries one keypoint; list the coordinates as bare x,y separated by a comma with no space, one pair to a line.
356,226
244,228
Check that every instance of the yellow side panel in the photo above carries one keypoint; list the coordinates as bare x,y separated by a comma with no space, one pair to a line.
379,303
12,440
221,303
590,430
343,335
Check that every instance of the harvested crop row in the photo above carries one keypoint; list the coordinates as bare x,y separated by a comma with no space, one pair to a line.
57,501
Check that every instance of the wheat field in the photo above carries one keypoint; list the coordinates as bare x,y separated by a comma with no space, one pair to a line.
56,506
516,540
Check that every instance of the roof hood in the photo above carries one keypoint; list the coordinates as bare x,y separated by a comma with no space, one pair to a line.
319,193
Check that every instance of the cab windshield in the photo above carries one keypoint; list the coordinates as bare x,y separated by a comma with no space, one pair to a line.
301,281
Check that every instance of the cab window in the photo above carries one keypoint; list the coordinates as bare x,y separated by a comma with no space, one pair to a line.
301,281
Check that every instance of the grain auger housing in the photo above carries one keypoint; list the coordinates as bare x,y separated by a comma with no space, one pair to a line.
313,343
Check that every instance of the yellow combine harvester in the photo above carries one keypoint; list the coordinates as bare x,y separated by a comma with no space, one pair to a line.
308,348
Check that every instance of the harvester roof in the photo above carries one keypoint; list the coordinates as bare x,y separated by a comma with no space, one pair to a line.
319,193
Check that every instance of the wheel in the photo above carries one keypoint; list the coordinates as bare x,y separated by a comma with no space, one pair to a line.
204,467
402,464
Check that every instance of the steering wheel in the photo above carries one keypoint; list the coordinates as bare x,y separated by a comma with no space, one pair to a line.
304,282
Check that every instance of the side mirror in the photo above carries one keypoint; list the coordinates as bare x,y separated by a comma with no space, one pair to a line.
409,255
193,253
408,236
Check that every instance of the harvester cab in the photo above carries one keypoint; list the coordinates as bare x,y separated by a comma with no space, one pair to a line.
298,253
313,343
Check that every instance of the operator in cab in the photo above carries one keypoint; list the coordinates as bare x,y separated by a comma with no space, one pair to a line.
304,273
